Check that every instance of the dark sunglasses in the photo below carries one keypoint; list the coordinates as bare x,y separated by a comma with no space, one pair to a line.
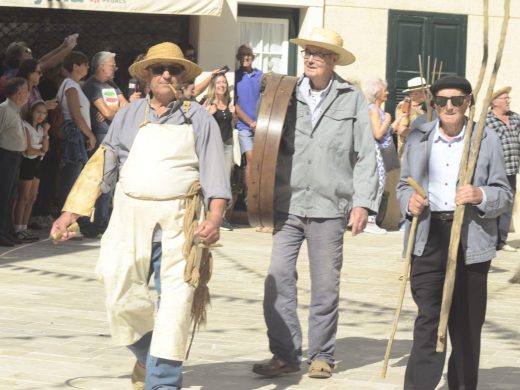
457,101
173,70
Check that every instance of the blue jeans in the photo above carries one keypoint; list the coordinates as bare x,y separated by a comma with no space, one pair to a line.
161,374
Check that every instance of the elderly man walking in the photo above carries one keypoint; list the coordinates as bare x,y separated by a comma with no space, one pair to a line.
432,158
158,149
326,176
506,124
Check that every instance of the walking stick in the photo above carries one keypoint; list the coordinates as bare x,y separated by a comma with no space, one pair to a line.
408,261
466,176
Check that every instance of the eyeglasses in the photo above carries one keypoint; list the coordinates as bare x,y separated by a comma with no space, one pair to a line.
113,66
505,97
318,55
457,101
173,70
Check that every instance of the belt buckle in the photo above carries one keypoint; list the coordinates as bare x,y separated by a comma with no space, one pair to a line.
445,217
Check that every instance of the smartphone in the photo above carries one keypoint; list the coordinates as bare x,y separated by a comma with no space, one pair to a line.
133,86
406,105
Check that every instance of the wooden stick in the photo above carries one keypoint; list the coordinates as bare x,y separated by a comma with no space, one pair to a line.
408,261
433,70
426,92
439,72
428,71
466,178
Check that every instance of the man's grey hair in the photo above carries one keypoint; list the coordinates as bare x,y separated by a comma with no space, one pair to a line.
100,58
372,88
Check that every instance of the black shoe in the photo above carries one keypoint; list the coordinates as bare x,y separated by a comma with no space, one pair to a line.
4,241
14,239
225,225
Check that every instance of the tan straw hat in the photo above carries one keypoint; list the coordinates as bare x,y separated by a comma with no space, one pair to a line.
499,92
415,84
164,53
329,40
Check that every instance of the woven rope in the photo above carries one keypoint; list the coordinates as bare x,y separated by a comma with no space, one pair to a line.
196,273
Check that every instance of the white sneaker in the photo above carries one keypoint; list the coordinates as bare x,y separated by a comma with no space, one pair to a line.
374,229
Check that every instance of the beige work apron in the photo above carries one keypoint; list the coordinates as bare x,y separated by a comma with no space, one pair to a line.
161,166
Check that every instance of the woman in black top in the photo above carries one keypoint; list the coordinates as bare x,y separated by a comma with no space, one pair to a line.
218,103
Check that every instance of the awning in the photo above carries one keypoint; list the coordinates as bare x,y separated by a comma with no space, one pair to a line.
177,7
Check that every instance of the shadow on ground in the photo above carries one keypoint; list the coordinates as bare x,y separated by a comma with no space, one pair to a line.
497,378
352,353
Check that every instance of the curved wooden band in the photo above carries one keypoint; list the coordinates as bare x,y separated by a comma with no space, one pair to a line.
268,134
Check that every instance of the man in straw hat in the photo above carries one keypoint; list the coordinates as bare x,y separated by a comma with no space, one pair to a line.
326,180
158,149
506,123
416,90
432,158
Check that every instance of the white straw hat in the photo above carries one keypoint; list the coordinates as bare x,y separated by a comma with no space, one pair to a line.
415,84
327,39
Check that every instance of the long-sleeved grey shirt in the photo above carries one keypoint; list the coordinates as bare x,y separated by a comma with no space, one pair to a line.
208,144
327,168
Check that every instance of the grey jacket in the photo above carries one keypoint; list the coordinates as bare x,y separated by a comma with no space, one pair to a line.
325,170
479,229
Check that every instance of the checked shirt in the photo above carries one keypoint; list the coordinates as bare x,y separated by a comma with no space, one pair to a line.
509,138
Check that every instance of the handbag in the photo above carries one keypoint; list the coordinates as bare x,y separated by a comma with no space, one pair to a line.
389,156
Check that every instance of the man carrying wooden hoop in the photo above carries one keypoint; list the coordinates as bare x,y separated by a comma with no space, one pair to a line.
326,176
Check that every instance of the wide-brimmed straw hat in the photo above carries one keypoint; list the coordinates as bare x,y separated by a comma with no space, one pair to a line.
164,53
415,84
500,91
329,40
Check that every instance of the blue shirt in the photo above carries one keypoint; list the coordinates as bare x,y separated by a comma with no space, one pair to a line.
247,93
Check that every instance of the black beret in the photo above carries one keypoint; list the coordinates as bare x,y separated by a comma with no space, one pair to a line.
457,82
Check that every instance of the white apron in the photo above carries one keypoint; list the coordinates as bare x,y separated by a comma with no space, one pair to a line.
161,166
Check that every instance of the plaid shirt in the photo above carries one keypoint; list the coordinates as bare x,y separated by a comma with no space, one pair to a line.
509,138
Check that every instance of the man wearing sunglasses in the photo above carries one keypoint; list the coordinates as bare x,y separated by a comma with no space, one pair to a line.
432,158
506,123
166,155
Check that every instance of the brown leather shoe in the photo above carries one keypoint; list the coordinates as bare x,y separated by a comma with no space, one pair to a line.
138,376
274,367
4,241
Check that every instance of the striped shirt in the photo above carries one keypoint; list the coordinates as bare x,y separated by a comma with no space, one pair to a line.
509,138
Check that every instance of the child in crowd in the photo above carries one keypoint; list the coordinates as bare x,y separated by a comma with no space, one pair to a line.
37,145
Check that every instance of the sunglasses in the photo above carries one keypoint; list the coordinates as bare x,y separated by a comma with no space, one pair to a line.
173,70
457,101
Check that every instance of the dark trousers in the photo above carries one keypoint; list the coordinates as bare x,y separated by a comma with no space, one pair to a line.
9,172
504,222
468,311
48,178
69,174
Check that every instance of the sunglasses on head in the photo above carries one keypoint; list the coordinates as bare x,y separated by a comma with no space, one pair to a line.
173,70
457,101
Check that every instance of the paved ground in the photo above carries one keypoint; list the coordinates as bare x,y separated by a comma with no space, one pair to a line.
53,332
